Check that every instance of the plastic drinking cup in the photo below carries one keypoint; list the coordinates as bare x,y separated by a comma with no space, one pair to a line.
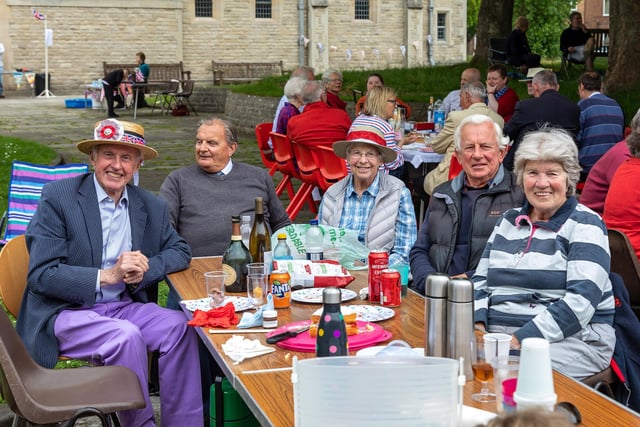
256,268
535,378
496,347
505,377
214,283
257,289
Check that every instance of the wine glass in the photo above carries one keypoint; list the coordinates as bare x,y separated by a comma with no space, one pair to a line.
482,370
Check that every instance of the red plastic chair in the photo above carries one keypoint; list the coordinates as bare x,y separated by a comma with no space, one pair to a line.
454,167
310,175
263,131
332,167
286,164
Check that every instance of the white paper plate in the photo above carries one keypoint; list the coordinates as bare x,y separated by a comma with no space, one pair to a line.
204,304
314,295
372,313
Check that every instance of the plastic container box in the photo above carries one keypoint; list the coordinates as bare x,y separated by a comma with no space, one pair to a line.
375,391
77,103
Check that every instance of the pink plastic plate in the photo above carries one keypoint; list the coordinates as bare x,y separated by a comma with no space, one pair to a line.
368,334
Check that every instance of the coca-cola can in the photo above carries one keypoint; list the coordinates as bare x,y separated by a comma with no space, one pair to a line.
378,261
390,288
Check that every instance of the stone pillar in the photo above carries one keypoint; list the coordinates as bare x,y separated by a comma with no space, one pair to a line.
414,37
319,33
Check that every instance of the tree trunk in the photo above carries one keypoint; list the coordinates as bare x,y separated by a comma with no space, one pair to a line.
624,51
494,20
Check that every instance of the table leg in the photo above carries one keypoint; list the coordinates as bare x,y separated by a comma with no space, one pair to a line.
135,103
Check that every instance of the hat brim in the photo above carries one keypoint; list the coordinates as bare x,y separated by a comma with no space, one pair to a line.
148,153
340,148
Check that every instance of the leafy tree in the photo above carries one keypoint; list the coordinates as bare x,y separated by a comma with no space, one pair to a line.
473,7
547,20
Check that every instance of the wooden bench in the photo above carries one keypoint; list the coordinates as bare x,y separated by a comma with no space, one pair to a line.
244,72
157,72
601,39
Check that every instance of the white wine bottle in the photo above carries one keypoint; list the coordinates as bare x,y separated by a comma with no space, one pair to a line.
260,238
235,260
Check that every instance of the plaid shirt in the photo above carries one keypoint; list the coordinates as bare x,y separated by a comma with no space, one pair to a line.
356,211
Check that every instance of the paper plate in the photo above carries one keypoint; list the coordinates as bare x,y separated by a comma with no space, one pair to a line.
368,335
314,295
372,313
204,304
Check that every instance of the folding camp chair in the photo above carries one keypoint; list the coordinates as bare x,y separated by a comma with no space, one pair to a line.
25,187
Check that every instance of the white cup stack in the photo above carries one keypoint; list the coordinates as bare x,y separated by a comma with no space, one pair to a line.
496,348
535,378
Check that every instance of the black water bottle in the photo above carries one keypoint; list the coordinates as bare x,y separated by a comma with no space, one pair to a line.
331,339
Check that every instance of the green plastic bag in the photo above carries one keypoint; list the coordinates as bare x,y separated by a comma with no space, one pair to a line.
339,244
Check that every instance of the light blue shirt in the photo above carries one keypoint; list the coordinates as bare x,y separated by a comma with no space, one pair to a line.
116,238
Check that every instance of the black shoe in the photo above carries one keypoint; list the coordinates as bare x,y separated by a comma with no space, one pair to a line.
113,115
118,106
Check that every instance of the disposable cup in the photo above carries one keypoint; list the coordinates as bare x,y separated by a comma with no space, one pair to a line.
535,378
214,283
505,377
257,289
255,268
496,347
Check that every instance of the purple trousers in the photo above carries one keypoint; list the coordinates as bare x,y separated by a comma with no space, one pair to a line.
122,333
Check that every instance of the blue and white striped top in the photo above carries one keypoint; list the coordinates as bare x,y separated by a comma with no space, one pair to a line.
549,279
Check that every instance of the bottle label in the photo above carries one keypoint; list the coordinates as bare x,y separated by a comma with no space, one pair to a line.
315,256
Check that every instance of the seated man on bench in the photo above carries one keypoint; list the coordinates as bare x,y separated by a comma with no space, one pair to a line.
576,42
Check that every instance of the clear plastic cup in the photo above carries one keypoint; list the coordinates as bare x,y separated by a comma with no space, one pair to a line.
257,289
214,283
496,347
505,377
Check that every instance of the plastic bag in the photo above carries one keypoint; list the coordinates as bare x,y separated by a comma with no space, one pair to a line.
338,244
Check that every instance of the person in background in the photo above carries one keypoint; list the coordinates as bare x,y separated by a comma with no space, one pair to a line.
332,80
1,70
621,203
110,84
375,79
576,42
530,418
378,109
318,123
599,179
369,201
518,51
143,69
601,122
303,72
472,98
547,106
462,212
97,249
452,101
529,79
293,92
500,97
545,270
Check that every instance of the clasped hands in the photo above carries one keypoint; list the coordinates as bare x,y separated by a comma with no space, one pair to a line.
129,269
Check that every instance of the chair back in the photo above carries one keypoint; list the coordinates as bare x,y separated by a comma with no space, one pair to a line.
307,165
266,153
283,153
25,188
497,51
187,88
14,266
625,262
332,167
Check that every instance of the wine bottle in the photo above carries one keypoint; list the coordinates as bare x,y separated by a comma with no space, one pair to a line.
332,333
235,260
260,238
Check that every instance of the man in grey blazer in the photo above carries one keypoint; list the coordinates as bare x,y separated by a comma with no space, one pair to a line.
96,248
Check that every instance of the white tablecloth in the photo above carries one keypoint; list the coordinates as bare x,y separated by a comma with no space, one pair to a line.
418,157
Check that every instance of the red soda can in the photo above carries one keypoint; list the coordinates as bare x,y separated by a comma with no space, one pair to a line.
390,288
378,261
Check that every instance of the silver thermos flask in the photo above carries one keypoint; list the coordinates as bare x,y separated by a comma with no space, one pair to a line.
435,315
460,322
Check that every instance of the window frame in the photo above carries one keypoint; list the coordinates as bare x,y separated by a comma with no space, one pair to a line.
264,4
196,8
358,6
444,28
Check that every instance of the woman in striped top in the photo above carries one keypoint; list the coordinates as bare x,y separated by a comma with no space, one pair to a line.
545,270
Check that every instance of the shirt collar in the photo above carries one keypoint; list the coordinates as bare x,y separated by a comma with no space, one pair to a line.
373,189
556,221
102,195
227,169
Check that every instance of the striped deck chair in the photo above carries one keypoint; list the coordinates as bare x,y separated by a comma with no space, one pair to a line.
25,187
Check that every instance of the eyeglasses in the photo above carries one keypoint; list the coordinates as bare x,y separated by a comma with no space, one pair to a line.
369,155
393,101
335,80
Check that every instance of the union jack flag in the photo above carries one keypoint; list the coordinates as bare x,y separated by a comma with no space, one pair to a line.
38,15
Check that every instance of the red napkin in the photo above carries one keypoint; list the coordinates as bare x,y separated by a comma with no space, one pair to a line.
221,317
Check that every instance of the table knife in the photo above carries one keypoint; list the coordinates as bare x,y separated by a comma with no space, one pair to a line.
286,334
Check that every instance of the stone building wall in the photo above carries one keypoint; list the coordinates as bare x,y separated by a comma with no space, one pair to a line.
88,32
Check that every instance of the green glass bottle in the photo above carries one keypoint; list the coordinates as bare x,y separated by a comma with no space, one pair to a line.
235,260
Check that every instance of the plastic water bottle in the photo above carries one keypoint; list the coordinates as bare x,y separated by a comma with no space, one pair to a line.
245,229
313,241
282,250
438,116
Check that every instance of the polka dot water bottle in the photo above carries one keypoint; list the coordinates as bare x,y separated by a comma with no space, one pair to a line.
332,333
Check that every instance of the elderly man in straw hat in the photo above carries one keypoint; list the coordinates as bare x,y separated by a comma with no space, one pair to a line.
97,245
368,200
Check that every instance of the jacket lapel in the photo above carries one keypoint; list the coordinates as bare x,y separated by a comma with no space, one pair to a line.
138,218
88,201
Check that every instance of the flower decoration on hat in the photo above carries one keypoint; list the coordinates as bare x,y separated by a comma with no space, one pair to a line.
109,130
